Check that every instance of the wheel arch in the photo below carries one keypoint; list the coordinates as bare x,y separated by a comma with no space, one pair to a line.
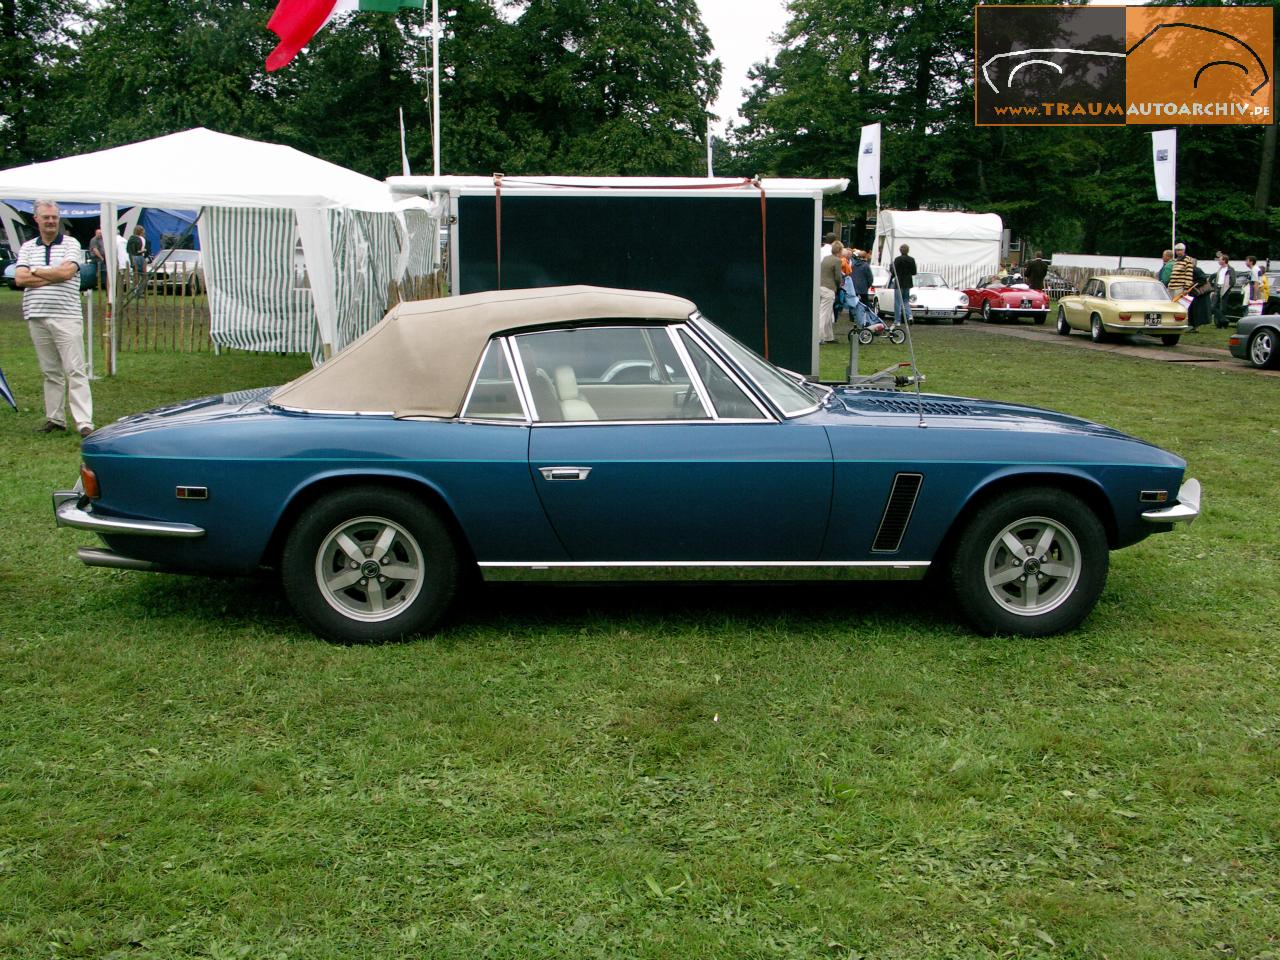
1078,484
320,486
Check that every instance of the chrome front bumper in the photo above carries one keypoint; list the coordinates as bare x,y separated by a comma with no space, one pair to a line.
1184,511
67,512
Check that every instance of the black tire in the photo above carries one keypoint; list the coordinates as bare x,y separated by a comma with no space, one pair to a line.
1170,339
986,311
1097,333
1264,349
1039,318
956,321
865,336
1063,327
416,544
1071,571
898,335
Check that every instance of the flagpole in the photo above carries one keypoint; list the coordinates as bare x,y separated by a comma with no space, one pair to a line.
435,86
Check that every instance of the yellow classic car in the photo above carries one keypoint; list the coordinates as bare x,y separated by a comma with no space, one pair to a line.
1123,304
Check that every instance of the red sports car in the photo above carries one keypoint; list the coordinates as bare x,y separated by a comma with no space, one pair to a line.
999,297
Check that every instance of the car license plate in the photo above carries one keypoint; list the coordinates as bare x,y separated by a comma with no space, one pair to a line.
1026,303
1153,319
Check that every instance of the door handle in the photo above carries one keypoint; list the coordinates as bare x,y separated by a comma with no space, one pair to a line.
564,473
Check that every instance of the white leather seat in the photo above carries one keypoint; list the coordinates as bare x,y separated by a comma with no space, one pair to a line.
572,404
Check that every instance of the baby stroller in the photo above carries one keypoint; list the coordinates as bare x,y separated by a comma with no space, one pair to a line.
868,326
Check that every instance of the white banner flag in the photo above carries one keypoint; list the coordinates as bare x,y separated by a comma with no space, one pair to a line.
869,160
1164,151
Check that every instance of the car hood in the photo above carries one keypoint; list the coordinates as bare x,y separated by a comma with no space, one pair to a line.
962,412
221,406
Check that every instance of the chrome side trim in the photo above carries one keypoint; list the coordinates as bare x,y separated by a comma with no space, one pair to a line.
666,570
68,513
1184,511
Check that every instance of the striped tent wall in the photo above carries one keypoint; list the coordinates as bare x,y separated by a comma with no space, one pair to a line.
259,292
258,297
424,239
366,248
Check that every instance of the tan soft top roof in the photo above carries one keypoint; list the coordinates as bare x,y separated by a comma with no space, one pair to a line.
420,358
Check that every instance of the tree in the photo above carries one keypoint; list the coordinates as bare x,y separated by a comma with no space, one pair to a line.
36,37
613,86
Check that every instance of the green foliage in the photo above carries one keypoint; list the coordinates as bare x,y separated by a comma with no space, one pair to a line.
36,42
616,87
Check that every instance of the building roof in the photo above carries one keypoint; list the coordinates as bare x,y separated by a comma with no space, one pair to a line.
420,358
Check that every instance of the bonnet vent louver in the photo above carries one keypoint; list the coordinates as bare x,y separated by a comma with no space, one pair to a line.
897,512
934,407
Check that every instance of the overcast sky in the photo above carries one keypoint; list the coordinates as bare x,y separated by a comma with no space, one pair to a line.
740,30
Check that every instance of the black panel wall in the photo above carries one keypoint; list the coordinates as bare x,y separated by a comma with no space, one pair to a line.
703,247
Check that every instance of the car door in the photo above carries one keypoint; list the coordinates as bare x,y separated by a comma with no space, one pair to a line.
675,469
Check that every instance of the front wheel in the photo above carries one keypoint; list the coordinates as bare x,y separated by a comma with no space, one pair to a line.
898,335
370,564
1262,349
1064,328
1032,562
956,321
986,311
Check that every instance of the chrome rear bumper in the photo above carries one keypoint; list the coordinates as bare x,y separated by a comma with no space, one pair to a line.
1184,511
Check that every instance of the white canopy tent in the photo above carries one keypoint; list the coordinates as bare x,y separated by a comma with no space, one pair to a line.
202,168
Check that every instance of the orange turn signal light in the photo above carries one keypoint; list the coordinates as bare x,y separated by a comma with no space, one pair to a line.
89,480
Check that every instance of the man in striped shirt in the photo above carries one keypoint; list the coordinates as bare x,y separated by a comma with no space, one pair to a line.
48,272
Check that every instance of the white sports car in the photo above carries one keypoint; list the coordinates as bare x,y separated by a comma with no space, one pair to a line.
931,298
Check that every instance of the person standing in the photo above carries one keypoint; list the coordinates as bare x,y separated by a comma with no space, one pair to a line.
1255,278
137,250
49,274
1187,279
98,254
1224,280
1166,268
904,278
830,276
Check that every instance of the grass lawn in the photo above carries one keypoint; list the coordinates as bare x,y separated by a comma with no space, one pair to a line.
653,772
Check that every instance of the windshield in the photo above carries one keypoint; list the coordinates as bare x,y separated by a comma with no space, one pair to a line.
1139,290
929,280
786,393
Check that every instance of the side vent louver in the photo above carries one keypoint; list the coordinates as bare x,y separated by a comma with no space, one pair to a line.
897,512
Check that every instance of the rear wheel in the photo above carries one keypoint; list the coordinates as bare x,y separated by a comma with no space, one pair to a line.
370,564
1039,319
1096,332
1263,351
1063,328
865,336
1170,339
1032,562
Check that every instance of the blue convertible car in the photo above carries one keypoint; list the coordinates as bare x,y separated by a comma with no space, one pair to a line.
582,432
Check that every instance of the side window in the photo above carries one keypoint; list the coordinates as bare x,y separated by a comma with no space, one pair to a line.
726,396
607,373
494,395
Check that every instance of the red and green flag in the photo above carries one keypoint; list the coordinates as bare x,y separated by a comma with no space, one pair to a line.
295,22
